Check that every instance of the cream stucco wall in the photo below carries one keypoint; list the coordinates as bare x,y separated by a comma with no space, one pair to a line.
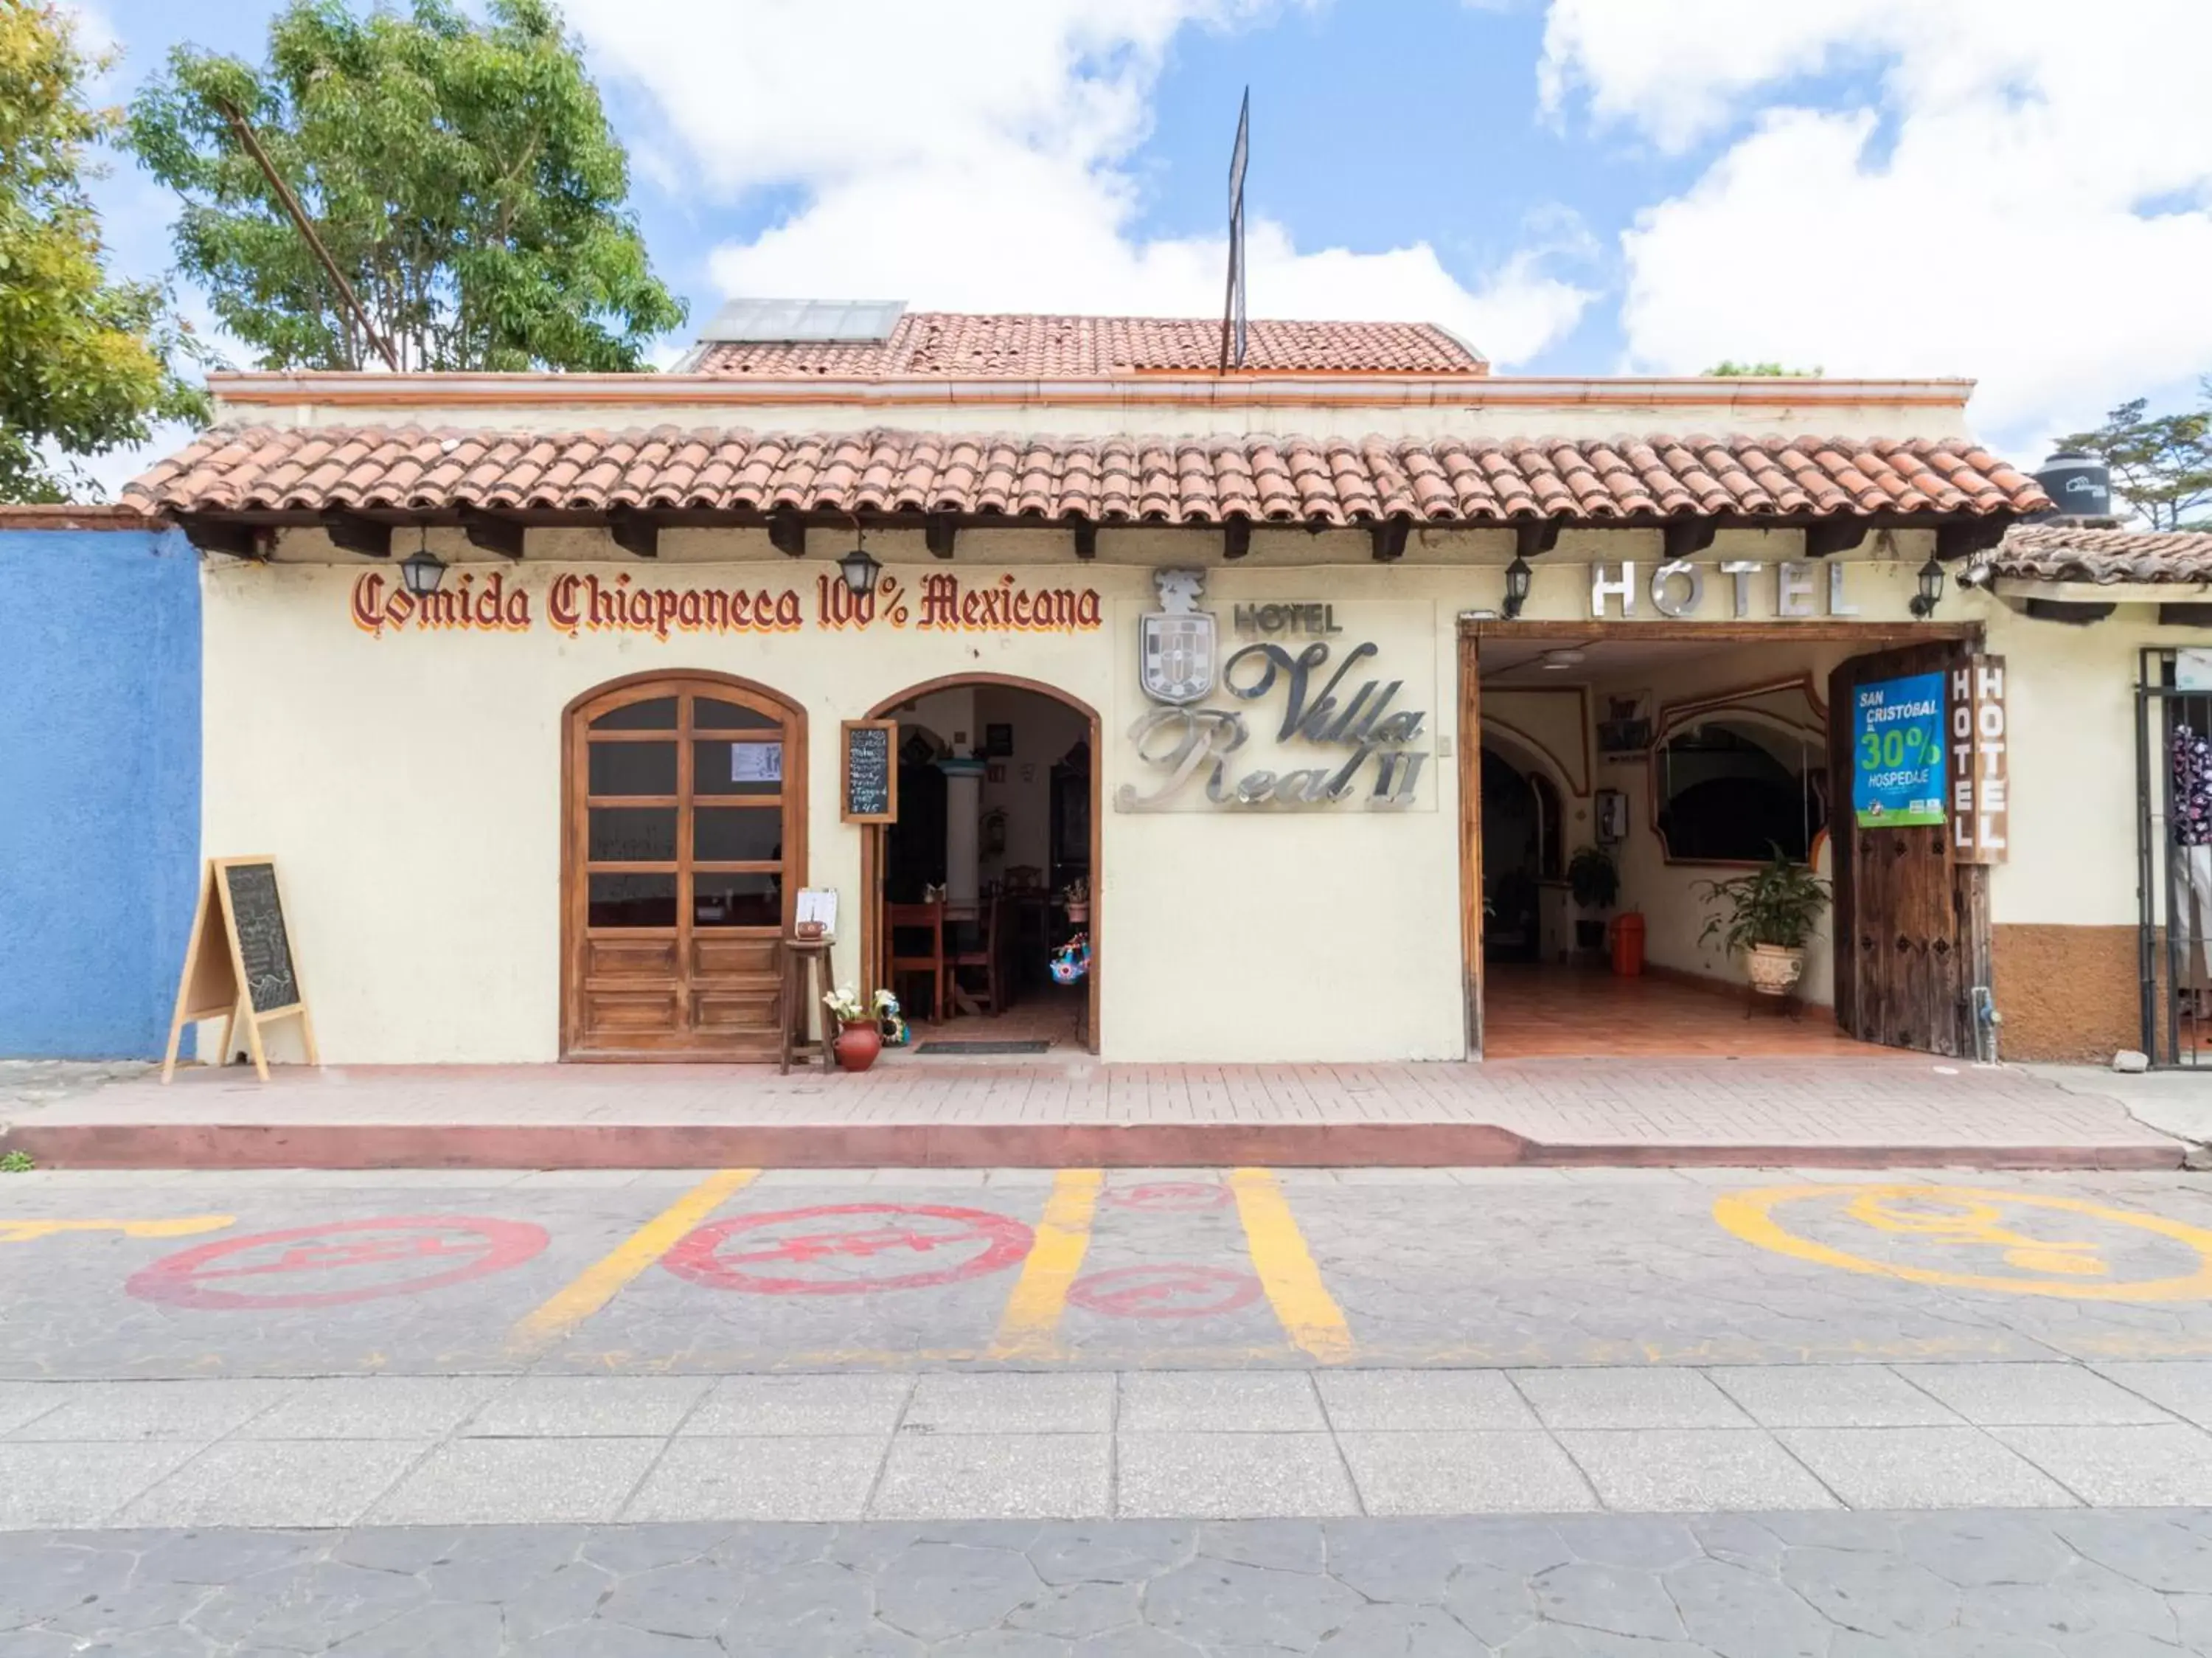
1670,895
409,784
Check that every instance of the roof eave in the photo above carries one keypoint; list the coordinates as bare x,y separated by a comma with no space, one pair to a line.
1315,389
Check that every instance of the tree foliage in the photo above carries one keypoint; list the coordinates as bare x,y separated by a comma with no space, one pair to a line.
2162,465
83,360
1728,367
462,175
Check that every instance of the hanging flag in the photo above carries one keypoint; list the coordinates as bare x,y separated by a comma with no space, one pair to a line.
1232,305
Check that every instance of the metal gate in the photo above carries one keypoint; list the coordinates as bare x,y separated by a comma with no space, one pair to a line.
2173,860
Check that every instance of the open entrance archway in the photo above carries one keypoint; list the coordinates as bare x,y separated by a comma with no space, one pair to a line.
1013,793
683,846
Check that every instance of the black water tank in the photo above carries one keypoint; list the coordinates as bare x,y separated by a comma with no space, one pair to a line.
2080,486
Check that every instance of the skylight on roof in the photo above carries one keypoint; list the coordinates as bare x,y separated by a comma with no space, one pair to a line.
795,321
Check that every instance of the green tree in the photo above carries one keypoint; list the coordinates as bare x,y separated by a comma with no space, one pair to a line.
1728,367
83,360
2161,466
461,176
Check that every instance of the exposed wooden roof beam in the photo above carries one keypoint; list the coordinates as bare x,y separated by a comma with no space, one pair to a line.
1388,539
232,539
1685,536
786,533
1958,539
1236,537
1832,536
350,532
634,532
491,533
1534,536
939,532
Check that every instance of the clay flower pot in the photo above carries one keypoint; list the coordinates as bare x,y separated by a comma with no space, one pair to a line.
1078,913
858,1044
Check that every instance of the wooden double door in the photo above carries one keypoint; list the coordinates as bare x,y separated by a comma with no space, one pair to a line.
685,848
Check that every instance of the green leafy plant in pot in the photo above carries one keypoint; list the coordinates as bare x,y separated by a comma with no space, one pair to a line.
1594,880
1768,913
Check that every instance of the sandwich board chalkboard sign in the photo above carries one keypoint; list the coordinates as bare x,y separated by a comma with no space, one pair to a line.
870,774
239,964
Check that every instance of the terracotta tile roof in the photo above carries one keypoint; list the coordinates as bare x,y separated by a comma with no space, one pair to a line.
2064,553
94,515
1172,480
1016,347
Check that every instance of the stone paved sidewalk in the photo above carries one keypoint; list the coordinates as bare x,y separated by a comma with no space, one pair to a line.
1544,1109
1770,1585
470,1449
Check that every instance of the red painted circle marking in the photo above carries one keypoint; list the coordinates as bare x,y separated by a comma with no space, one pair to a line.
463,1246
1167,1291
973,1241
1171,1195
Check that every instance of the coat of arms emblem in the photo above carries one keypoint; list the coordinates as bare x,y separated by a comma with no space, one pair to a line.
1176,643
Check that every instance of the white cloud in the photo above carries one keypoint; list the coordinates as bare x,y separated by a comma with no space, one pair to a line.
2025,201
976,155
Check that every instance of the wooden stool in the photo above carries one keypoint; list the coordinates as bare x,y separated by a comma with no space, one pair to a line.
798,952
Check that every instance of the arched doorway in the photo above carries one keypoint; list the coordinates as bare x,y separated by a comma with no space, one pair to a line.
684,848
1039,813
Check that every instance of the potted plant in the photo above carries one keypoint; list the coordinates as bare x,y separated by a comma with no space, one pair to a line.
859,1034
1768,913
1076,900
1594,880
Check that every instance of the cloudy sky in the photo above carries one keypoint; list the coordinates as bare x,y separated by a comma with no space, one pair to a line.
2012,190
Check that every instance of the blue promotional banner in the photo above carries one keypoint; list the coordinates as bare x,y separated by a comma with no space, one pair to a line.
1897,748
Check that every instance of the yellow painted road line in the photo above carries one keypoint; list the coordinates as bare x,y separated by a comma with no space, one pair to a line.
184,1226
605,1278
1030,1327
1309,1315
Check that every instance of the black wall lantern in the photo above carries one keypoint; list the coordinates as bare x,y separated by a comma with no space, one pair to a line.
859,568
1517,575
1931,588
422,569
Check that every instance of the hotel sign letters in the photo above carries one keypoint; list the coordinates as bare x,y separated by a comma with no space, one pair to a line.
1979,802
575,602
1335,711
1677,588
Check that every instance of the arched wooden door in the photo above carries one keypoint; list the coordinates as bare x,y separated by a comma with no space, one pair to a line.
683,852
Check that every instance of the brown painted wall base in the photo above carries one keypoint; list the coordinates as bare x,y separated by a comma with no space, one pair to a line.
2067,993
1058,1145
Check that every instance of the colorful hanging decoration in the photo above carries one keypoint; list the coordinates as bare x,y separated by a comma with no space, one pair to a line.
1072,959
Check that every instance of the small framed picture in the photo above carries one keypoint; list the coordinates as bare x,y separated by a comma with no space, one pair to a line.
1624,731
998,741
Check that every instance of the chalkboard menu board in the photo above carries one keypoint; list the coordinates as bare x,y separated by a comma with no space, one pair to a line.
239,966
871,770
262,948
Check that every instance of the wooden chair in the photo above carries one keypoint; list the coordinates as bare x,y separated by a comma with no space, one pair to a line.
911,919
988,953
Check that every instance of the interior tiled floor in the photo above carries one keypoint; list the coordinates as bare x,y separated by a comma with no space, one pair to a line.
1548,1012
1050,1013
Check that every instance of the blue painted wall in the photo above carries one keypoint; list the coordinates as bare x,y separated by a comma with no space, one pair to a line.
100,787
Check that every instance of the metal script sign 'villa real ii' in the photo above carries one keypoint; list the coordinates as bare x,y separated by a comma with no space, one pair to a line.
1318,702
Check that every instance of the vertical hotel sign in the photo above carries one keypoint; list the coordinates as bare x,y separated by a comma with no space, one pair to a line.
1979,800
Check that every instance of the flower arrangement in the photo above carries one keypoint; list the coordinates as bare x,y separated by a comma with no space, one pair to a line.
847,1008
1077,891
